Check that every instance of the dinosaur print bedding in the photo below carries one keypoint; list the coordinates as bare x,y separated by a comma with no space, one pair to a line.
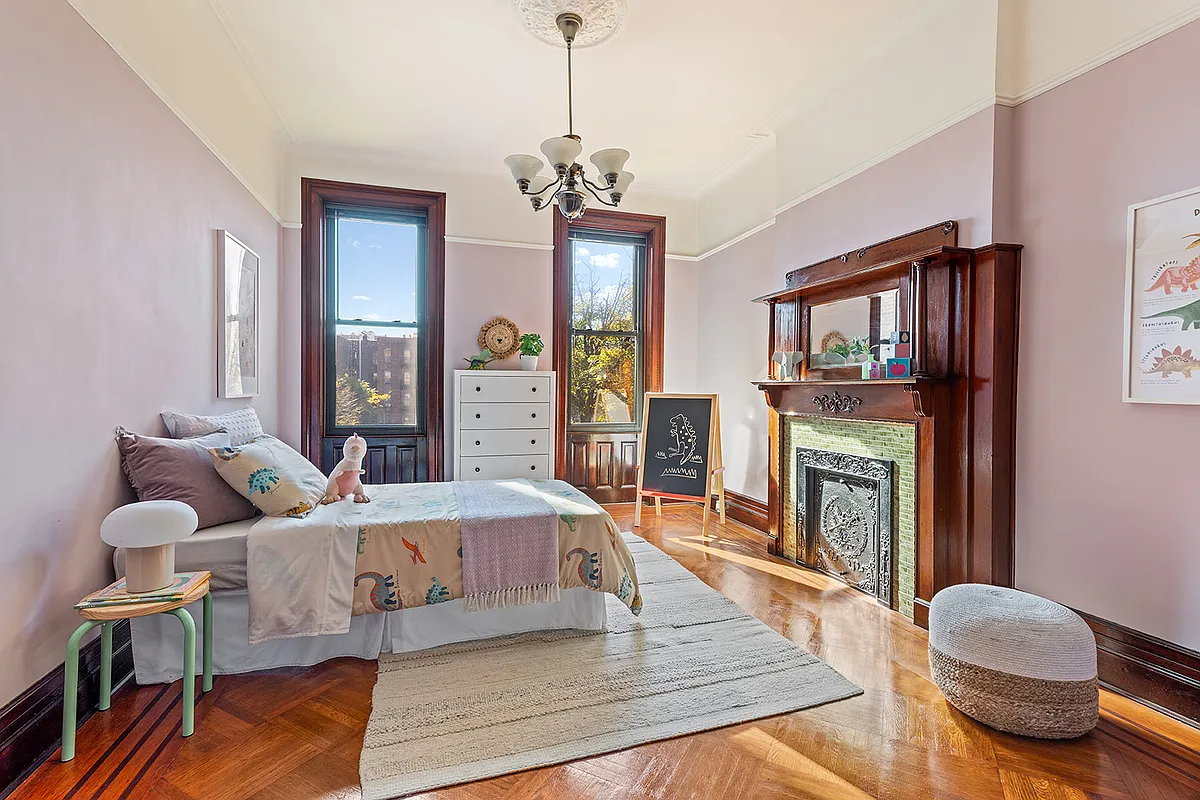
307,577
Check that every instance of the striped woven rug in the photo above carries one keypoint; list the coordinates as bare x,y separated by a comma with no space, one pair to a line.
692,661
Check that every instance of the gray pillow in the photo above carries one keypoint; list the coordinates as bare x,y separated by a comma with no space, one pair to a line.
242,425
180,469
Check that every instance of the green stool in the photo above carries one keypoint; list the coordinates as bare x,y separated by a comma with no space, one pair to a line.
108,617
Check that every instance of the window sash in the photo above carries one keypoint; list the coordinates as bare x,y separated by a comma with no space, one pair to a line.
637,334
334,214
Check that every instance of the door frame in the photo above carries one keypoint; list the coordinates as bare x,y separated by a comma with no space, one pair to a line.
316,194
655,230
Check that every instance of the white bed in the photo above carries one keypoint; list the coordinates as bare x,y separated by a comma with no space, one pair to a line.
158,640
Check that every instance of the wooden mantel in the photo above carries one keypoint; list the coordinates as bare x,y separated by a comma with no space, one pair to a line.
960,305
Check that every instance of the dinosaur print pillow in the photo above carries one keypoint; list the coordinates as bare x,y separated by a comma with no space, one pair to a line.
271,475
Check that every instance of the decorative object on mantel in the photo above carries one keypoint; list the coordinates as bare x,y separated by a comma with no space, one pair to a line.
1162,320
679,452
898,368
838,403
1014,661
499,336
480,361
531,347
569,183
237,322
959,307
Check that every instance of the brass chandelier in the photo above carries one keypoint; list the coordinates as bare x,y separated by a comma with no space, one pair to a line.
569,183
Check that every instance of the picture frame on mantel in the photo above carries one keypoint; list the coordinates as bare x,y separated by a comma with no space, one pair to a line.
237,306
1162,301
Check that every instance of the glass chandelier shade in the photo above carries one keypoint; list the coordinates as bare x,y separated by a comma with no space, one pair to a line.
570,187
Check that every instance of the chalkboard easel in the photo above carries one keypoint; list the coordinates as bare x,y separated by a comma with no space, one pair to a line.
679,452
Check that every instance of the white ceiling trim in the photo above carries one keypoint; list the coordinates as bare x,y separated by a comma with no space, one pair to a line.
499,243
974,108
222,14
1115,52
177,111
734,240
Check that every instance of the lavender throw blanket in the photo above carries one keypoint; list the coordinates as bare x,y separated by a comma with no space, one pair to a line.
509,545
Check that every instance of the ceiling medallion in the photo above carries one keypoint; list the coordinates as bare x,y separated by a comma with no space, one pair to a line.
569,187
539,19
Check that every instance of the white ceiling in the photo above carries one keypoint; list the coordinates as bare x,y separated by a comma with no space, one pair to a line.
681,85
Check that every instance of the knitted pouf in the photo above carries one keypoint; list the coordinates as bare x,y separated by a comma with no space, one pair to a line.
1014,661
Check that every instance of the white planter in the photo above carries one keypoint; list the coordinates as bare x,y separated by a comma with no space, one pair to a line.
529,363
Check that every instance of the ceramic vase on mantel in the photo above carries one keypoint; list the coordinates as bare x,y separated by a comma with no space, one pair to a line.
529,363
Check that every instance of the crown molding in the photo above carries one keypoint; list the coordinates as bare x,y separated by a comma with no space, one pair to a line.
971,110
499,243
218,9
144,76
1127,46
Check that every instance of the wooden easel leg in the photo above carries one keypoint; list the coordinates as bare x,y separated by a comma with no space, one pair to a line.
658,506
721,496
637,511
704,524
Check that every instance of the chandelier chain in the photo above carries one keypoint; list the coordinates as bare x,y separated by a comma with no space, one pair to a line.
570,95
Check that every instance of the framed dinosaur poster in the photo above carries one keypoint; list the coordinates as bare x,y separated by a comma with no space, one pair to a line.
1162,301
679,451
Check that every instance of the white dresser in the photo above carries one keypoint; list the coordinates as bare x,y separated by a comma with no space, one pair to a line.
503,424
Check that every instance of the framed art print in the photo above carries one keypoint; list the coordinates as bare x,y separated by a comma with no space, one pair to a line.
1162,301
237,323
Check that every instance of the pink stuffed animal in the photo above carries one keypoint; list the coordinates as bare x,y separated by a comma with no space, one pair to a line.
345,480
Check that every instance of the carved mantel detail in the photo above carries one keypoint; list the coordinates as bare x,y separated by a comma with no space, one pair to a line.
838,403
959,306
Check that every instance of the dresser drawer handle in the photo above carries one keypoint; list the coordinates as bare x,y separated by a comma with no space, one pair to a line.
479,388
478,416
477,443
477,469
533,466
533,415
534,389
531,441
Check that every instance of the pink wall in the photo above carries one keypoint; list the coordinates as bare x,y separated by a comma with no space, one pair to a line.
106,244
1107,492
948,176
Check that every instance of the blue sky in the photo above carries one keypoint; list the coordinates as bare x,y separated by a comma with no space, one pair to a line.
612,263
377,267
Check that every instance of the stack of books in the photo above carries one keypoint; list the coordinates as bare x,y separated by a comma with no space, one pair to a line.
115,594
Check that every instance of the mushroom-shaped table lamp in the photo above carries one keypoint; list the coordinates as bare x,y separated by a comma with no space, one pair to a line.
148,531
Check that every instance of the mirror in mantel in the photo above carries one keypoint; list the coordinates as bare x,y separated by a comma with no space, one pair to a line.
847,332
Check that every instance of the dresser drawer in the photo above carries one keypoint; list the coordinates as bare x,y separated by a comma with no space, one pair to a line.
506,415
504,443
532,388
491,468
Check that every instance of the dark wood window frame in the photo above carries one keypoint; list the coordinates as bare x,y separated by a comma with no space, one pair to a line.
654,230
317,194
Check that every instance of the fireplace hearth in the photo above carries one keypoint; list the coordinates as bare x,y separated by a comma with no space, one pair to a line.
844,519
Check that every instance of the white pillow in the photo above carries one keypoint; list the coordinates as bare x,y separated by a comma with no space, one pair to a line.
242,425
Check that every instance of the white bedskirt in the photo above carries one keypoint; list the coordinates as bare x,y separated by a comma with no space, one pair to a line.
158,640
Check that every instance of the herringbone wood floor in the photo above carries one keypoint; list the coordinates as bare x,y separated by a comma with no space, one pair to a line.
297,734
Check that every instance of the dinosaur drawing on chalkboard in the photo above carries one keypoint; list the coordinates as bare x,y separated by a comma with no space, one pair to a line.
685,442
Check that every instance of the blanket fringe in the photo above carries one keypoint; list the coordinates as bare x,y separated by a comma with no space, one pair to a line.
516,596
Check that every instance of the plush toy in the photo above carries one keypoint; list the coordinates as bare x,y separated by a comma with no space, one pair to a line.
345,479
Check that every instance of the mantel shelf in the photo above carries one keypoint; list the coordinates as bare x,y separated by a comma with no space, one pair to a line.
933,255
848,382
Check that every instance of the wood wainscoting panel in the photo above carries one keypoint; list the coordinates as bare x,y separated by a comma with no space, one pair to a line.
1146,668
400,459
746,510
31,725
603,465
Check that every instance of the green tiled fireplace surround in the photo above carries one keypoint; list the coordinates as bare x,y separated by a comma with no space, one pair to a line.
890,441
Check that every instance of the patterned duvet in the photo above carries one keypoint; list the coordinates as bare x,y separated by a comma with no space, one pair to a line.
402,550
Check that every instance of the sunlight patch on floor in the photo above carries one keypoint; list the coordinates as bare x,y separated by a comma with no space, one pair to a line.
794,574
807,775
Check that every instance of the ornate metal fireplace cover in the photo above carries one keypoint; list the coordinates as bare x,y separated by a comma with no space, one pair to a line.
844,519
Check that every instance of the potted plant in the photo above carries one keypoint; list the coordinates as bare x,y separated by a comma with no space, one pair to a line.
531,348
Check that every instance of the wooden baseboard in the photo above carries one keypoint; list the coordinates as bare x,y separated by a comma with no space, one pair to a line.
746,510
1150,670
31,725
